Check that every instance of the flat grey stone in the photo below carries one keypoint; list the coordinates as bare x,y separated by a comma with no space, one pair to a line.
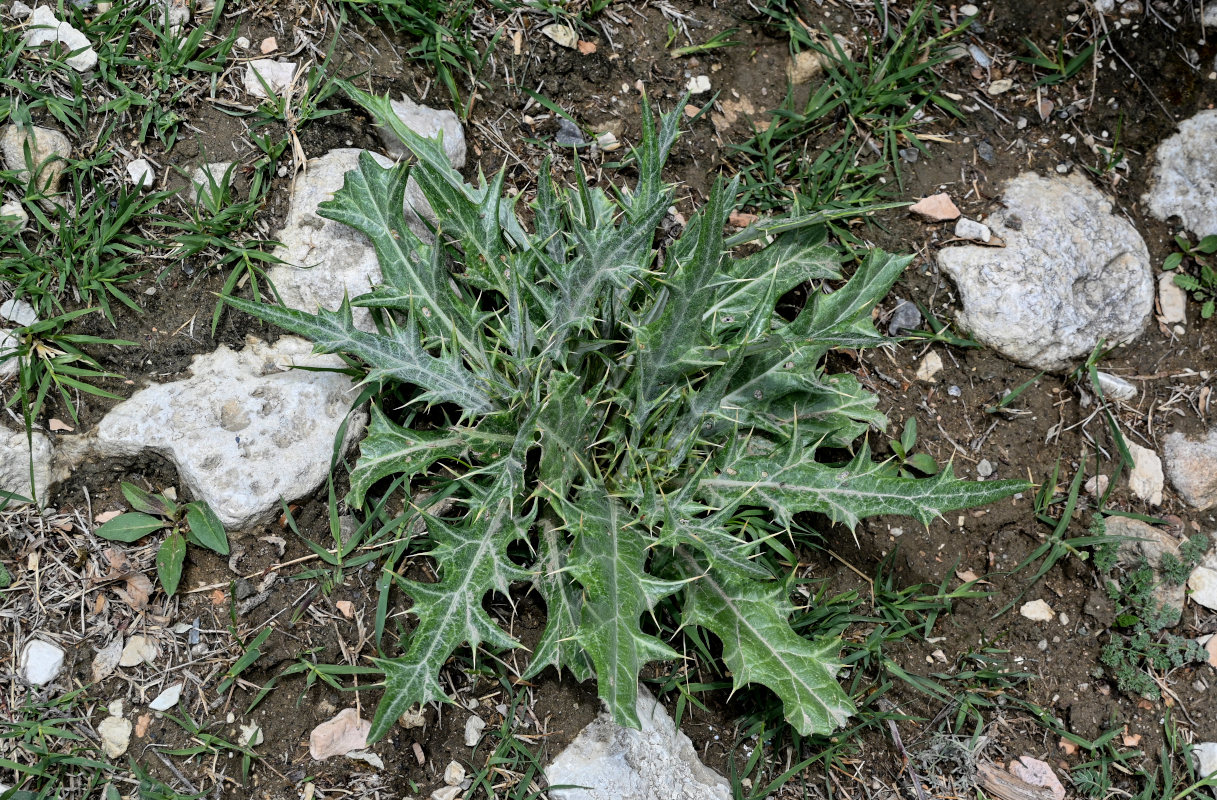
1071,273
1191,466
48,148
245,430
616,763
1184,181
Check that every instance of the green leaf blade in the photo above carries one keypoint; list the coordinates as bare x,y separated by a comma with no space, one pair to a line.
129,527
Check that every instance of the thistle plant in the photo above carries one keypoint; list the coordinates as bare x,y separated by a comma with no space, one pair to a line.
609,415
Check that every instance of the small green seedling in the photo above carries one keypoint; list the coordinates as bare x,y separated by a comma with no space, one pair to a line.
1060,64
1201,280
911,464
193,522
721,39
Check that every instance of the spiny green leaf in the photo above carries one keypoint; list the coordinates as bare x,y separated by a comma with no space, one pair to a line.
390,449
558,646
751,619
472,558
861,488
609,561
842,319
398,356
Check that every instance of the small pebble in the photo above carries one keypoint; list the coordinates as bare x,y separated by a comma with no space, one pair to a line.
569,134
1037,611
968,10
984,469
454,773
41,662
698,84
971,229
473,730
905,317
954,391
985,151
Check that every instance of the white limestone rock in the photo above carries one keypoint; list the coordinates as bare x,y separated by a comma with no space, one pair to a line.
168,698
1146,479
15,461
428,122
1206,752
276,74
48,148
1037,611
1142,542
45,28
1172,299
41,661
323,259
616,763
245,430
1202,583
14,217
1184,181
115,732
1191,466
18,314
206,183
1071,273
141,173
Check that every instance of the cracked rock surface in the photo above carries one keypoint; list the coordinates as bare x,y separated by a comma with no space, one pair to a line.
1184,182
1071,273
244,430
657,762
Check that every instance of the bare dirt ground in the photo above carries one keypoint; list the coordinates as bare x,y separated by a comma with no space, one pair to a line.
1159,77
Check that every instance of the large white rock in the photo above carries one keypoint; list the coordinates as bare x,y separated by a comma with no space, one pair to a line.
41,661
323,259
1202,583
15,463
48,148
1071,273
1184,182
1206,752
45,28
19,314
429,122
1191,466
245,430
616,763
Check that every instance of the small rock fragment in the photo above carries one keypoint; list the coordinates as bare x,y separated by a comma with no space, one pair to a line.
971,229
1192,467
930,366
269,45
454,773
968,10
174,16
1206,752
805,65
168,698
607,141
251,735
698,84
16,453
1096,485
1202,584
446,793
936,208
1116,388
1037,773
412,717
48,149
207,183
19,10
139,650
45,28
984,469
1182,182
1037,611
1146,479
569,134
115,731
1000,86
338,736
1172,298
905,317
473,730
586,48
41,661
14,217
368,757
276,75
1141,544
141,173
106,659
561,35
